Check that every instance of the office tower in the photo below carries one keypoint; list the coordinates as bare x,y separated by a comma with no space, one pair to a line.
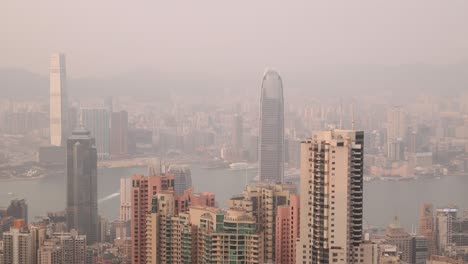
61,248
58,100
331,197
96,120
426,227
451,233
287,231
262,202
182,178
17,244
271,129
396,235
396,132
418,250
82,211
119,134
18,208
125,199
237,133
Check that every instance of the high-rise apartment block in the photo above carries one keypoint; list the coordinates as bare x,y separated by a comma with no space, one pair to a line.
119,134
58,100
262,202
331,197
202,235
125,199
18,244
287,230
82,211
271,129
61,248
96,120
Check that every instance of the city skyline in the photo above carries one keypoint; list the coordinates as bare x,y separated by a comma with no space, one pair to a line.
241,132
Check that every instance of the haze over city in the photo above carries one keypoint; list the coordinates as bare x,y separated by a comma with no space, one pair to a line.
234,132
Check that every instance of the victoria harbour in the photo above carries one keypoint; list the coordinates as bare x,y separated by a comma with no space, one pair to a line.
383,200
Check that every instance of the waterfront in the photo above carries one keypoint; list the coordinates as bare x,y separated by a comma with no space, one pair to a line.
383,199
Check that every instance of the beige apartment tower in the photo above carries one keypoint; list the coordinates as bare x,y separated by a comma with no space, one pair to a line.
331,197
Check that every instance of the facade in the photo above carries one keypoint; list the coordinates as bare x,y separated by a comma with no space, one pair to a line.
444,219
82,211
271,129
58,100
18,244
396,132
96,120
287,231
418,250
427,228
63,248
397,236
262,202
182,178
125,199
201,235
143,190
18,208
331,197
119,134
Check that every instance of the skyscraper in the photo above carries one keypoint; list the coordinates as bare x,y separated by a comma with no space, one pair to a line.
262,201
58,100
427,228
18,209
331,197
82,211
119,134
18,244
271,129
396,132
96,120
125,199
182,178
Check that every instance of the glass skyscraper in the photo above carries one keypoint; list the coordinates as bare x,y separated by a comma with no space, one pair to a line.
271,129
82,211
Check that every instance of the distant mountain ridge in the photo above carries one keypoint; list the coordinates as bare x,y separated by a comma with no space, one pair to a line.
326,81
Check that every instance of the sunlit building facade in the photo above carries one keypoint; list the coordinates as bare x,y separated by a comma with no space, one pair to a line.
58,100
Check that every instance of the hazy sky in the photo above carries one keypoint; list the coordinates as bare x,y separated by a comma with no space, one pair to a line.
111,37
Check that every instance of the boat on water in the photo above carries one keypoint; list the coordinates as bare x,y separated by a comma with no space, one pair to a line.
239,166
216,164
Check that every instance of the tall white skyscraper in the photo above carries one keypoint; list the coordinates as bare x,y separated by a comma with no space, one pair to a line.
271,129
331,197
58,100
